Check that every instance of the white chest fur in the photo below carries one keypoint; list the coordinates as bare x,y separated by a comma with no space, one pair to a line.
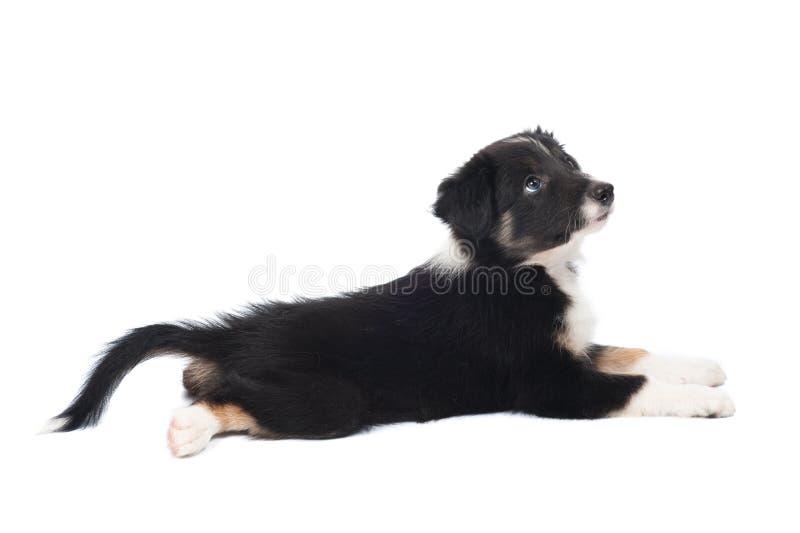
579,321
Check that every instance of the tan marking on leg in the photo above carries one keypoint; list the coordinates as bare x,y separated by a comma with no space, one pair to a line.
232,417
619,360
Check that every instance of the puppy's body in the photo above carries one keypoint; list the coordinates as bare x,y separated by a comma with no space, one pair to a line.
499,328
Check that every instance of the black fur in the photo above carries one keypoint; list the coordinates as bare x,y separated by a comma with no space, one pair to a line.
435,343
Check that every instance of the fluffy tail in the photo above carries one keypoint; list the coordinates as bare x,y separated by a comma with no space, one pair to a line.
127,352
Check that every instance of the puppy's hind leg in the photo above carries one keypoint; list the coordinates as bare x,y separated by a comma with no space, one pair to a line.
193,427
304,404
201,378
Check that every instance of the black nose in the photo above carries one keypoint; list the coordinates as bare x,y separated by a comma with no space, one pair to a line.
603,193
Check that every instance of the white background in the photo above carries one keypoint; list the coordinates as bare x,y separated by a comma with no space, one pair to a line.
152,154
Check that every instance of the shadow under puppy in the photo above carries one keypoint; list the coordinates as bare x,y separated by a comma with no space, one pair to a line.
494,323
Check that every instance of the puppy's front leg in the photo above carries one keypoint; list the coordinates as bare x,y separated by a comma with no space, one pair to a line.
672,370
577,390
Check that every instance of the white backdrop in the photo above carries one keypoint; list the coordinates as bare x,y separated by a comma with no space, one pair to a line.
154,153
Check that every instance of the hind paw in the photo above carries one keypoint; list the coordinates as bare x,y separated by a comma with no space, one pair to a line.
191,429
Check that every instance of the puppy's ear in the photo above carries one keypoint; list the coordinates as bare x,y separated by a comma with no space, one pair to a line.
466,199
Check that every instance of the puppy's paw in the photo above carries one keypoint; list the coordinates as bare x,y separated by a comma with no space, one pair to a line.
722,406
662,399
190,430
681,370
709,403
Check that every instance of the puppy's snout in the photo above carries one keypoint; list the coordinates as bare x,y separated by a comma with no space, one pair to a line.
603,193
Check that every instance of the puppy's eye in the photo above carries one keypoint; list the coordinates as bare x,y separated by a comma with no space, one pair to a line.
533,184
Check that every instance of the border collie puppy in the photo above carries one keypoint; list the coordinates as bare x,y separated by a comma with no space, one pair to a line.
496,324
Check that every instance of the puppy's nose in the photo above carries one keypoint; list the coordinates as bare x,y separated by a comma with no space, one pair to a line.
603,193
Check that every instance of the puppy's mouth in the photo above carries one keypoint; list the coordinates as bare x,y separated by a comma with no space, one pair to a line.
594,217
603,216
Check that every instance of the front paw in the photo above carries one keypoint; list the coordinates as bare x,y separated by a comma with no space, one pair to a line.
681,370
704,402
661,399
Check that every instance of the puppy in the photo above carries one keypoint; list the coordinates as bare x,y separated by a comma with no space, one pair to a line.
495,323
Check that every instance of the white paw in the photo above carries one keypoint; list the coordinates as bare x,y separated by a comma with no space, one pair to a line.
680,370
707,402
661,399
190,430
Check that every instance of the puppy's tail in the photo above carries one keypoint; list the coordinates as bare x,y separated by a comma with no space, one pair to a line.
122,355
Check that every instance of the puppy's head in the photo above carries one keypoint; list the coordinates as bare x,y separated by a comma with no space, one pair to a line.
521,196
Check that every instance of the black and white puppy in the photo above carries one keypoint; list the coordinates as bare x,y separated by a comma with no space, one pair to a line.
497,323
